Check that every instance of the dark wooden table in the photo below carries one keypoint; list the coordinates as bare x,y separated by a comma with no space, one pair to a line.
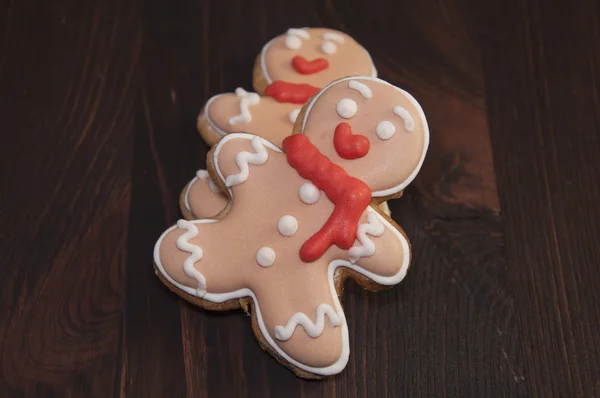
98,106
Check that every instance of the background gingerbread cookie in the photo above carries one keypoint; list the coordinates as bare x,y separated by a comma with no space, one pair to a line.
302,219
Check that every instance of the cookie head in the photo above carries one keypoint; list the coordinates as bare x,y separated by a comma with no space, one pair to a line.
314,56
373,130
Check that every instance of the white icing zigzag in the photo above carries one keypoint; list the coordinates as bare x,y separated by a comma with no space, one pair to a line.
246,99
366,247
315,329
183,243
243,158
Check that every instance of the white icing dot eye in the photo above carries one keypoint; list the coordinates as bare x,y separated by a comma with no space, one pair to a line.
287,225
328,47
294,115
385,130
293,42
308,193
347,108
265,256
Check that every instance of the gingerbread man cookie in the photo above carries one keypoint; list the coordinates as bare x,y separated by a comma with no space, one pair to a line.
301,219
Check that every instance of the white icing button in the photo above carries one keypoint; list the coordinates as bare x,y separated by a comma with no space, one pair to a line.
347,108
329,47
265,256
385,130
293,42
287,225
308,193
294,115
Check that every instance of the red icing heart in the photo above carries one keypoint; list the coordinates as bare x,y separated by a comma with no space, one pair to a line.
348,145
306,67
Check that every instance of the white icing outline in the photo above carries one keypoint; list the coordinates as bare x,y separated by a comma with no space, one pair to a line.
200,175
313,329
264,50
186,199
362,88
210,122
246,99
263,65
411,99
365,246
373,69
340,364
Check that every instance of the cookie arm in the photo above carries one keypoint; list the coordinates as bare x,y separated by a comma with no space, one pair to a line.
202,198
381,252
236,154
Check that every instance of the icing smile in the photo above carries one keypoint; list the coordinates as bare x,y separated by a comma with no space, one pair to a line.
348,145
306,67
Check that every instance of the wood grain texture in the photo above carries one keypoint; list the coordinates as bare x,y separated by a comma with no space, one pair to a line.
547,135
99,102
67,88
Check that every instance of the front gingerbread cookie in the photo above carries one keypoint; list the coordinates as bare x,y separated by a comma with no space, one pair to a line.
301,219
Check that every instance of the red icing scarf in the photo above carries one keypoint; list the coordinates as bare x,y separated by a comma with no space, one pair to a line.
350,196
290,92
